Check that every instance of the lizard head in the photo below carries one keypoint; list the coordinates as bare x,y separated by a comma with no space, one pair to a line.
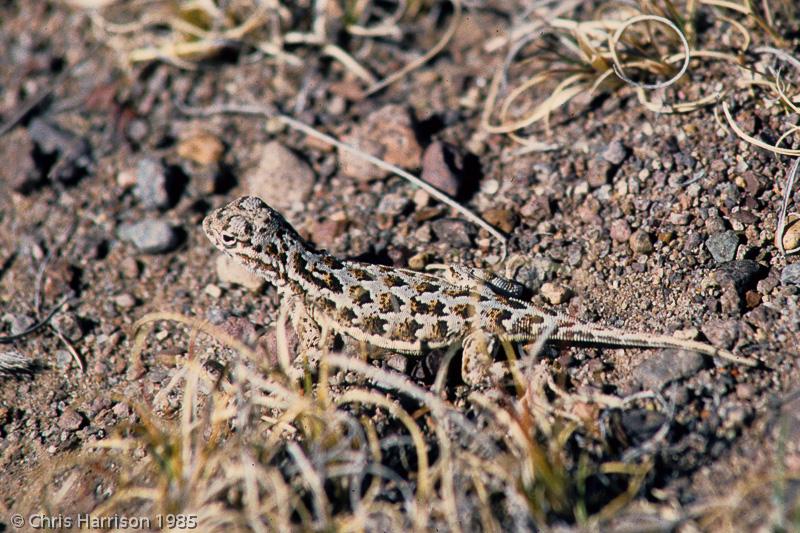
254,235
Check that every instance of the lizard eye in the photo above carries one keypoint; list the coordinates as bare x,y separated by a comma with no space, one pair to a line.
228,240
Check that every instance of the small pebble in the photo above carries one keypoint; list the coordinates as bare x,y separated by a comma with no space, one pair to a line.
555,293
152,185
63,359
599,173
70,420
213,291
203,148
19,323
641,242
229,271
281,178
150,236
722,246
438,168
124,301
790,275
503,219
388,134
615,153
791,237
457,233
620,230
665,366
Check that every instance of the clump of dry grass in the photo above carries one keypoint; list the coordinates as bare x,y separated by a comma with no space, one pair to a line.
248,448
645,45
189,32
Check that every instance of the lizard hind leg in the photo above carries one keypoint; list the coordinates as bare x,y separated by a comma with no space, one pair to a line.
476,359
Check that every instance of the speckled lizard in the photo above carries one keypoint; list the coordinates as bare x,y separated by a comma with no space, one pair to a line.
399,309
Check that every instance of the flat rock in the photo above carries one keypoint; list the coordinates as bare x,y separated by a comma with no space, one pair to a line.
281,178
790,275
722,246
439,167
150,236
665,366
739,274
387,134
152,187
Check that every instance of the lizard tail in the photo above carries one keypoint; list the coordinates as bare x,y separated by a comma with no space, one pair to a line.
569,331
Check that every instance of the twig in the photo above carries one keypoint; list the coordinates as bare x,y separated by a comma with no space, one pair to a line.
438,47
612,45
11,338
40,97
787,195
245,109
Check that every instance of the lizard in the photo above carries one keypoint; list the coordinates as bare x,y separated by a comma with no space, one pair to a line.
403,310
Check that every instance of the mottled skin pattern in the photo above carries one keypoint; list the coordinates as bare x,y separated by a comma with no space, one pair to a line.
399,309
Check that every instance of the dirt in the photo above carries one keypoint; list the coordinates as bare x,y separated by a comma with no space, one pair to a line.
617,221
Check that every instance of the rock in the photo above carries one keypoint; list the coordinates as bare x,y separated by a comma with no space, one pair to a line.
503,219
722,333
72,153
203,148
641,242
722,246
537,209
615,153
18,323
739,274
442,166
387,134
325,232
63,359
19,171
665,366
790,275
458,233
124,301
229,271
392,205
213,291
240,328
599,173
555,293
152,185
129,268
281,178
620,230
791,237
150,236
70,420
68,325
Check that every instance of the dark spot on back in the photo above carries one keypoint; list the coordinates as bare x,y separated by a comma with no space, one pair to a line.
360,274
388,302
373,325
425,286
360,295
346,315
393,280
463,310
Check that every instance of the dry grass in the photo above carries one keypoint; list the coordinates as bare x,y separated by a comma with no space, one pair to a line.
247,448
187,33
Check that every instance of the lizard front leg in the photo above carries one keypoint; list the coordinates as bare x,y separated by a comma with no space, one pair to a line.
476,359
